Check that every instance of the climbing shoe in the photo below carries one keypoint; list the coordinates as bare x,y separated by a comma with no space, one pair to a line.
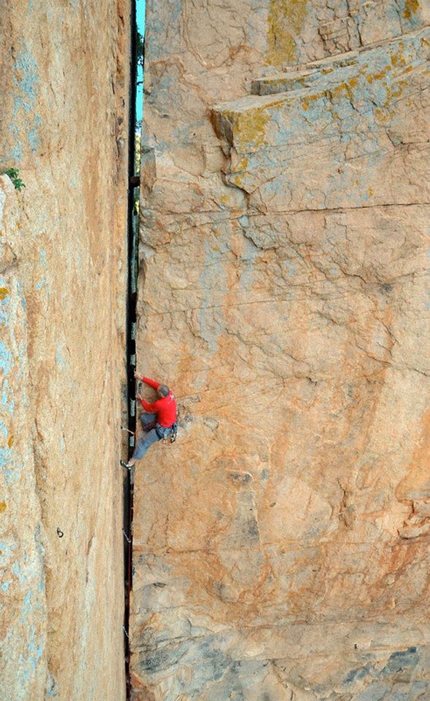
124,464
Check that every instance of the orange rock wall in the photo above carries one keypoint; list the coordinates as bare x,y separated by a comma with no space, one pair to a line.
64,83
281,544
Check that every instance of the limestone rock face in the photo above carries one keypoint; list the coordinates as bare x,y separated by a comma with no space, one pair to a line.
62,312
281,544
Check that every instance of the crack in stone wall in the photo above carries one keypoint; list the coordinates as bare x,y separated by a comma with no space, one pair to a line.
280,542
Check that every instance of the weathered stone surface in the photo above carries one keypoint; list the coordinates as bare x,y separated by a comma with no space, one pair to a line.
362,117
62,312
23,619
281,544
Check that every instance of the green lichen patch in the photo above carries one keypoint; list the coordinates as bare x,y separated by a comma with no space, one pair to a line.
251,127
286,19
411,7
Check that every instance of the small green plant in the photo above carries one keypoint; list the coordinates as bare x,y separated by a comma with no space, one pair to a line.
13,174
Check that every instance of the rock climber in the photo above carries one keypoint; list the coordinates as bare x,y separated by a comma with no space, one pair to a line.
158,420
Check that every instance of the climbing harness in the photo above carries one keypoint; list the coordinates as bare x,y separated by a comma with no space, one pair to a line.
163,432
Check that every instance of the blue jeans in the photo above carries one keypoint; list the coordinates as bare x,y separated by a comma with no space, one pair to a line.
149,424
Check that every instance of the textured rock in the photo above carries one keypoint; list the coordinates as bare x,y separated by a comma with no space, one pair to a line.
23,616
62,270
281,543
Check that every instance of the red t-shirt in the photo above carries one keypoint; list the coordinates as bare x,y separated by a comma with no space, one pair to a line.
165,408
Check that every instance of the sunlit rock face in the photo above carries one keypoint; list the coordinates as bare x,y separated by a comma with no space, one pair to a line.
281,544
62,313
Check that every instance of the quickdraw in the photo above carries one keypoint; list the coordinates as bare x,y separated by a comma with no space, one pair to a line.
174,432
